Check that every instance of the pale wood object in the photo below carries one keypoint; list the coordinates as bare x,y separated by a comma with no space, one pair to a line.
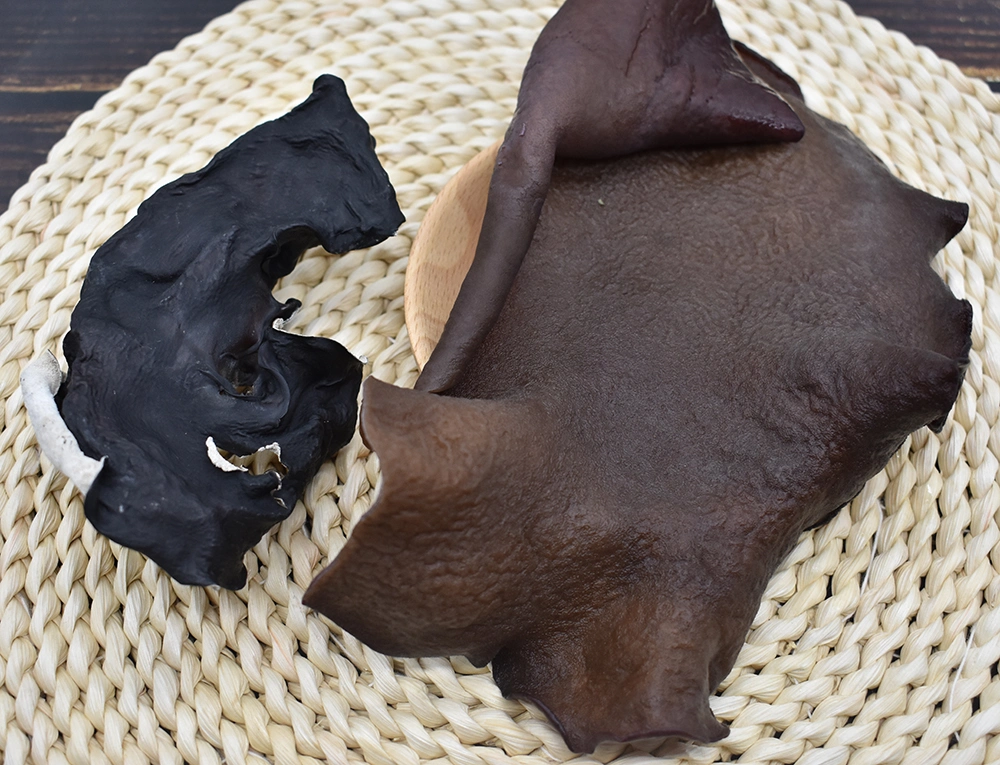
443,250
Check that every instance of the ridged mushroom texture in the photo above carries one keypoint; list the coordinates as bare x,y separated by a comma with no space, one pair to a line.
720,321
208,418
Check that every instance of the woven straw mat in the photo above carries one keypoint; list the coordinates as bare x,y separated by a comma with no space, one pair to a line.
877,641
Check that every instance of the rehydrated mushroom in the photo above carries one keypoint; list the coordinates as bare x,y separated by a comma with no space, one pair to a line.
702,353
606,78
175,348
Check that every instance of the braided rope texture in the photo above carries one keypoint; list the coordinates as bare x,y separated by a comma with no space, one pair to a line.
877,641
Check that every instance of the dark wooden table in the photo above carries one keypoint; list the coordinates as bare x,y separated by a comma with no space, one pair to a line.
58,56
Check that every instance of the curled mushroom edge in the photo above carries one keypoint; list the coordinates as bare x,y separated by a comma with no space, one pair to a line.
177,351
638,404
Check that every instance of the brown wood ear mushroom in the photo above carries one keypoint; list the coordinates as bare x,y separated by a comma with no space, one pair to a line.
703,353
606,78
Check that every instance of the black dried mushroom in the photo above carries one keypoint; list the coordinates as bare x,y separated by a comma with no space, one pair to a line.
176,355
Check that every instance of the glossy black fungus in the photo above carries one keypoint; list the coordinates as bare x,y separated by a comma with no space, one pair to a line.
175,341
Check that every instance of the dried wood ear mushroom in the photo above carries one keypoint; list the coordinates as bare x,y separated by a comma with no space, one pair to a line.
178,365
645,398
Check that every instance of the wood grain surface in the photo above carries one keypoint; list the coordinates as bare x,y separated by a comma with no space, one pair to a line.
58,56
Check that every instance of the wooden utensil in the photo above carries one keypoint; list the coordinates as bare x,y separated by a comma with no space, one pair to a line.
443,250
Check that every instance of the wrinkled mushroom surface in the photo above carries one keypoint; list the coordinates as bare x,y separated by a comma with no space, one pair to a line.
703,353
606,78
175,352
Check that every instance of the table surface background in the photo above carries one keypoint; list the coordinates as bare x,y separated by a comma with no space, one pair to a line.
57,57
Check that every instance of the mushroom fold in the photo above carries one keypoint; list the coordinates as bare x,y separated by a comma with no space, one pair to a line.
175,340
702,353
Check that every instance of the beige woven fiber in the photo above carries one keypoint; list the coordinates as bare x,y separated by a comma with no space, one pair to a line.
878,640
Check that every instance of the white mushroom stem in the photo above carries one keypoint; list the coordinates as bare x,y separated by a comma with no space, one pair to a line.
40,381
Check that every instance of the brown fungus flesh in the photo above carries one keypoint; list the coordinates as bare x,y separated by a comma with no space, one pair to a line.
702,353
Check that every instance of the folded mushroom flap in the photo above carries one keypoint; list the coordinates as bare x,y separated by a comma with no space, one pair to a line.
702,354
175,340
606,78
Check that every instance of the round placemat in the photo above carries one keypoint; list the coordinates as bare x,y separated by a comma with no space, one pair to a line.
876,642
